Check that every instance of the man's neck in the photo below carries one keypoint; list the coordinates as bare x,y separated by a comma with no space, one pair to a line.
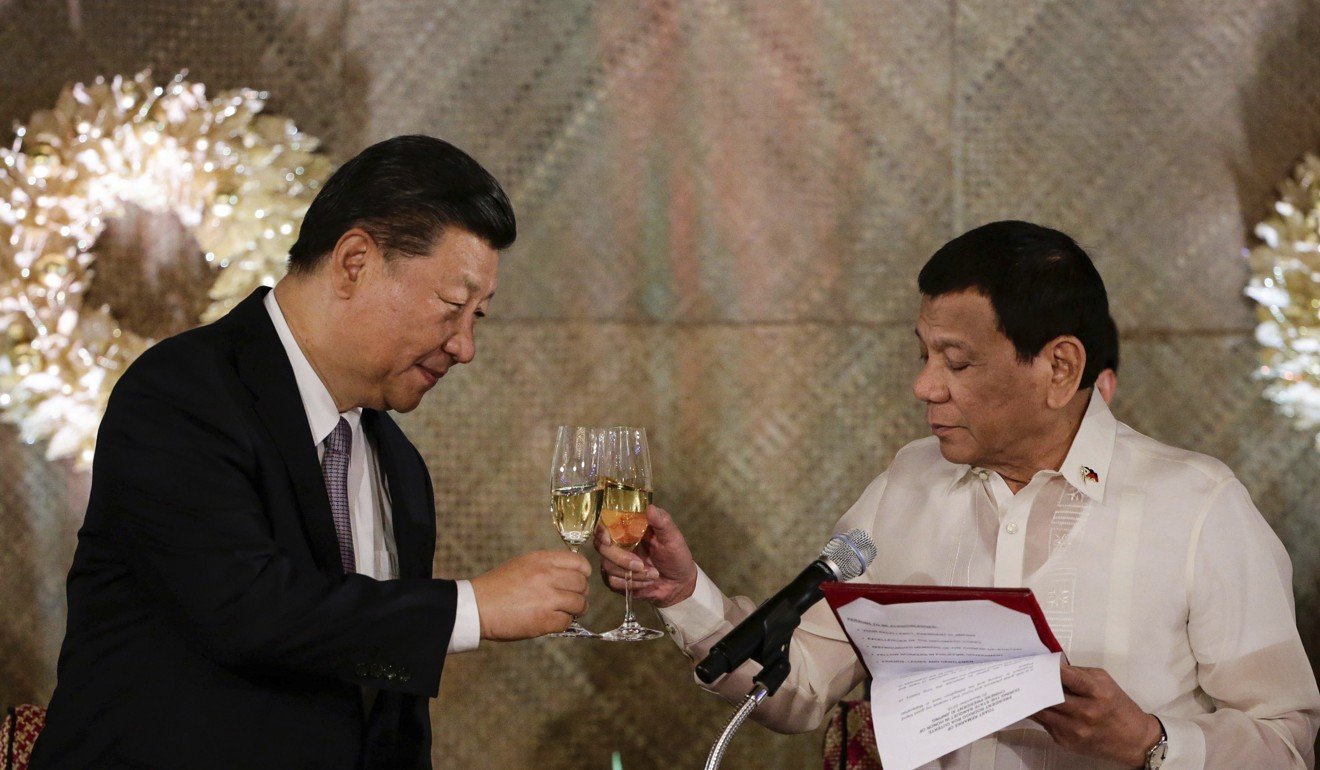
292,297
1050,447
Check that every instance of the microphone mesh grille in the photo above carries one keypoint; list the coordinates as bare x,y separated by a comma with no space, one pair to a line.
852,552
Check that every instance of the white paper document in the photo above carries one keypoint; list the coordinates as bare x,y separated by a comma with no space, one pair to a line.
947,673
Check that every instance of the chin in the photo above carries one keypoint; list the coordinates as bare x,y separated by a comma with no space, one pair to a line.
406,404
405,393
957,453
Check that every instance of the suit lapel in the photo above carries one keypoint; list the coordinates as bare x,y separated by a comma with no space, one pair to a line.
409,508
264,367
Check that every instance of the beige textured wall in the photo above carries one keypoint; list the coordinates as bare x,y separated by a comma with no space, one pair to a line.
724,205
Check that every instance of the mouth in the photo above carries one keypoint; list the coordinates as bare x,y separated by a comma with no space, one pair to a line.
431,375
942,430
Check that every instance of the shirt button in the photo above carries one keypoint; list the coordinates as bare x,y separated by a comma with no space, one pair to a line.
1011,529
985,475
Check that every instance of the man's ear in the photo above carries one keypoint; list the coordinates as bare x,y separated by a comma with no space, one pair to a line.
352,253
1067,359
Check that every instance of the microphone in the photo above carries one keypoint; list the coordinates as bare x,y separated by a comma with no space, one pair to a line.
769,628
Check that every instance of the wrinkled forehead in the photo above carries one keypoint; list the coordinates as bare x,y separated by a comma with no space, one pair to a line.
964,319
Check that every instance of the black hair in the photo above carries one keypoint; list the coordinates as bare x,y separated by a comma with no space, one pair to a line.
405,192
1040,283
1108,353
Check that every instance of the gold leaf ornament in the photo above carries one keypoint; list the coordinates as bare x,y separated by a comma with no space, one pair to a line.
238,180
1285,283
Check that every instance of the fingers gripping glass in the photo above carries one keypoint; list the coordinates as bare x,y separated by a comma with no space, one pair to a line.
625,482
575,494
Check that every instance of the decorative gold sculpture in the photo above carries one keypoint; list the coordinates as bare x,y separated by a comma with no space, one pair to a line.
1285,281
238,182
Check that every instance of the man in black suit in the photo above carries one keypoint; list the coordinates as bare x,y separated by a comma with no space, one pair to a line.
252,583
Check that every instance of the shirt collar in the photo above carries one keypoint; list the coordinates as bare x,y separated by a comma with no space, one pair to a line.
1086,467
322,416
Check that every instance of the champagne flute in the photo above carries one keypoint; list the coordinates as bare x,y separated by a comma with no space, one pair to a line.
625,480
575,494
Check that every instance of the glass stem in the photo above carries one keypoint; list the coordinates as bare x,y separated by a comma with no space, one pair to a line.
574,549
627,600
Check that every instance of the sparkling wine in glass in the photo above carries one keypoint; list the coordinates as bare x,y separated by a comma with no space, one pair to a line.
575,493
625,482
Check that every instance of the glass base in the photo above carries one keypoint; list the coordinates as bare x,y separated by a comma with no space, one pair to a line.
576,631
631,632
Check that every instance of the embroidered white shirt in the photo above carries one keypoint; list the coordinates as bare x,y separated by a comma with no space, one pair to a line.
368,501
1150,562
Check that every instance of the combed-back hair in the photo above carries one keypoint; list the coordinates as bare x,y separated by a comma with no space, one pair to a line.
1040,283
405,192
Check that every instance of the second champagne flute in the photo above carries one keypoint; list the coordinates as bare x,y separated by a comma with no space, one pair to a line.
625,480
575,494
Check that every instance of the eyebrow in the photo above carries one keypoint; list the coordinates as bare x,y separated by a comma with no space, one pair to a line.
942,343
473,288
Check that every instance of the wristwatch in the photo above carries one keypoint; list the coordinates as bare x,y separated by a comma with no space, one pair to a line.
1155,755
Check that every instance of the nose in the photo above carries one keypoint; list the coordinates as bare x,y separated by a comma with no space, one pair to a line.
462,344
928,386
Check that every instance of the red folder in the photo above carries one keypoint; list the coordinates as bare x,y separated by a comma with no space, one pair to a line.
1018,599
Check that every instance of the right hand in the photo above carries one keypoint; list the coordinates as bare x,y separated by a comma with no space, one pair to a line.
663,571
531,595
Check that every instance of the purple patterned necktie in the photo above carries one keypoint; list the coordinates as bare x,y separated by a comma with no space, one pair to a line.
334,464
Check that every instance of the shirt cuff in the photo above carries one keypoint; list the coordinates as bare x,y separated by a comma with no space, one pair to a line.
467,620
697,616
1186,744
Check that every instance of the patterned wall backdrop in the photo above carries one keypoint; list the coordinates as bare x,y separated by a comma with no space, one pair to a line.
723,205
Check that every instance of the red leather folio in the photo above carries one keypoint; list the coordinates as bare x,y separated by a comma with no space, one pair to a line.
1019,599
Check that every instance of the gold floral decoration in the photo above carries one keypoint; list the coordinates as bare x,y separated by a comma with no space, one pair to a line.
238,181
1285,283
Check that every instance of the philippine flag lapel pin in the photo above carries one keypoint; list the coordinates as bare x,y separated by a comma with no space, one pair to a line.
1090,475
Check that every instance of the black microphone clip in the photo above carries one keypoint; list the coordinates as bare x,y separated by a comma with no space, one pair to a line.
764,635
773,625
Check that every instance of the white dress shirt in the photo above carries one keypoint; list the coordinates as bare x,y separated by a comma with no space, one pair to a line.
368,499
1150,562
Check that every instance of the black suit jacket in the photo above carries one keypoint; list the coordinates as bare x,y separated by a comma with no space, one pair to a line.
210,623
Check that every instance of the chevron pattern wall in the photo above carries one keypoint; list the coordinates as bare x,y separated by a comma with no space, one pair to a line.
723,207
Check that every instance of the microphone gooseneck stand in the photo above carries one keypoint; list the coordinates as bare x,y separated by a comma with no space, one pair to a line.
773,657
753,700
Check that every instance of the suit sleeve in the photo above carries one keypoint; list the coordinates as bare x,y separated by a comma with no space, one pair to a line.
177,498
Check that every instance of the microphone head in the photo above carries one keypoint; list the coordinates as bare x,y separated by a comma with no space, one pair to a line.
850,553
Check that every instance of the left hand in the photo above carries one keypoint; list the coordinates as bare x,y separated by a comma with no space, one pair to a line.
1098,719
662,570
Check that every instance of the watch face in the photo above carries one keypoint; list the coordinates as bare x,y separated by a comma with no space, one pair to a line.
1155,758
